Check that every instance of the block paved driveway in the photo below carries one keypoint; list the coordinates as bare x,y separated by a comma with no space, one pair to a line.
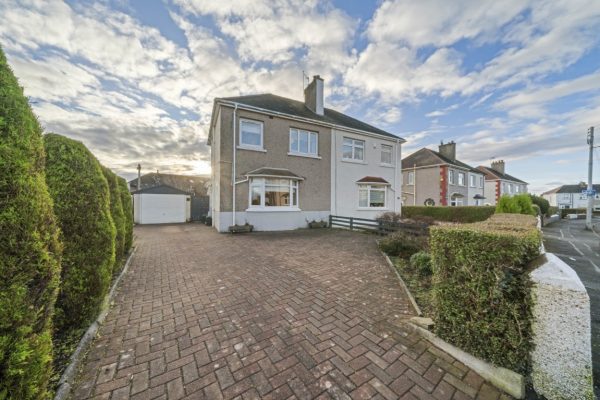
296,315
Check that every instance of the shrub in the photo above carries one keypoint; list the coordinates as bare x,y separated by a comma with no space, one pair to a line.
389,217
481,287
537,210
29,249
117,215
127,205
565,211
208,221
82,205
461,214
517,204
421,262
553,210
402,245
542,203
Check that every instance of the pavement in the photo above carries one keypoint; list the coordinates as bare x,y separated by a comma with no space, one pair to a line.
580,249
310,314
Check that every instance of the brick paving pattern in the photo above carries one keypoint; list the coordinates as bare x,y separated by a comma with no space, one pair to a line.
297,315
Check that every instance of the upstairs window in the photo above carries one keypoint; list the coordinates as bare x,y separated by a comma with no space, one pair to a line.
303,142
411,178
353,149
451,177
473,180
481,181
461,179
386,154
251,134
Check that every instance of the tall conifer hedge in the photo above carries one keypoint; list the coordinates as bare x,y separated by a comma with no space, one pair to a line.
82,205
126,203
29,248
116,212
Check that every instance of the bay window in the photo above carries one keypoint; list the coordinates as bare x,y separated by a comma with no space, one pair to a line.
273,193
371,196
353,149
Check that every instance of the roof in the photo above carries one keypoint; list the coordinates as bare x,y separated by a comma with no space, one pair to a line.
492,174
161,189
372,179
297,108
572,189
427,157
193,184
274,172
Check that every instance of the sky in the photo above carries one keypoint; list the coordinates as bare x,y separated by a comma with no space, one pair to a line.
517,80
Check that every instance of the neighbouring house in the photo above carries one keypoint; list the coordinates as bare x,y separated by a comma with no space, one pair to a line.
292,162
498,183
572,196
161,204
438,178
196,186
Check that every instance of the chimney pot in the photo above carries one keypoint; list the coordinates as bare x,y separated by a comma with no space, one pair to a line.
313,95
498,166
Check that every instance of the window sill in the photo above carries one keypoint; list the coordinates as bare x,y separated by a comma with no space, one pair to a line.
372,209
273,209
387,165
348,160
303,155
259,149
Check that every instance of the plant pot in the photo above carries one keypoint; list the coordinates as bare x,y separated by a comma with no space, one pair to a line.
241,228
317,224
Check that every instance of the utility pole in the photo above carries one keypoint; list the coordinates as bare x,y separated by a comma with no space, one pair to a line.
590,188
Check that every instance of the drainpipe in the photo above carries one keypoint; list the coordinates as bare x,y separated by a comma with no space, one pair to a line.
139,180
414,184
233,173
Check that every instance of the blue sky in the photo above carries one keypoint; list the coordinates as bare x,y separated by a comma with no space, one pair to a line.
135,81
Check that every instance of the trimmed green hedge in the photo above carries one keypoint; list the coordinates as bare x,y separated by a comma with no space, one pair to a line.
116,212
127,205
517,204
565,211
82,205
482,300
541,202
29,249
461,214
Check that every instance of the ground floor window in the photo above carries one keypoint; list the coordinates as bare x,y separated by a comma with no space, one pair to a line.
456,200
273,192
371,196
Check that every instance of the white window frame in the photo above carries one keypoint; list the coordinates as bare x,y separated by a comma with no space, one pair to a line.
451,177
461,182
390,149
242,145
261,183
473,180
456,202
372,187
298,152
481,181
354,144
411,178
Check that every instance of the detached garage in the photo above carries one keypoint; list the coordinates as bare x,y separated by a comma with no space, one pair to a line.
161,204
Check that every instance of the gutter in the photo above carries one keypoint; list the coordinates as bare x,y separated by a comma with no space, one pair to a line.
233,162
306,120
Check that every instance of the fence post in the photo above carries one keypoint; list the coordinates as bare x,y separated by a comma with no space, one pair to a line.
351,223
330,221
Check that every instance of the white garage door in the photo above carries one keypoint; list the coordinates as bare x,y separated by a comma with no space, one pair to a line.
162,208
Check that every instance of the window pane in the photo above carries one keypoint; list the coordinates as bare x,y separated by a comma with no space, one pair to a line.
386,154
363,197
377,198
251,133
359,143
358,153
277,196
347,151
313,143
294,140
295,196
303,141
347,142
256,192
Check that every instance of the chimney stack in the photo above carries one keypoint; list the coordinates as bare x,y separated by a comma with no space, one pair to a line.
448,150
498,166
313,95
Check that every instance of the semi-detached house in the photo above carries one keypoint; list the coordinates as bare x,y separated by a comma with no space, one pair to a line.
279,163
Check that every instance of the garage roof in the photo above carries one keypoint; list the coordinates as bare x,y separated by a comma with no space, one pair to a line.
161,189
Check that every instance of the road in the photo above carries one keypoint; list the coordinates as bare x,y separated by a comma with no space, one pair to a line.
579,248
